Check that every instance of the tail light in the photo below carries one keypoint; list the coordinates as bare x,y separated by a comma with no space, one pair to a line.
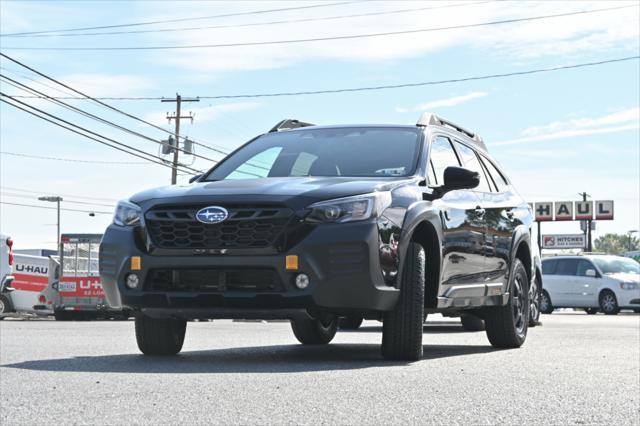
10,245
42,299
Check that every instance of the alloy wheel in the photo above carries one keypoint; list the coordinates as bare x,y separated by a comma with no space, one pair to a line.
519,301
608,302
544,303
534,300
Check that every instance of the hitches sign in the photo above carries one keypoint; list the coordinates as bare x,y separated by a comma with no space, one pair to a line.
564,210
604,210
563,241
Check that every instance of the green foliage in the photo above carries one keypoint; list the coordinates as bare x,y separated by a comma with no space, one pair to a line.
616,243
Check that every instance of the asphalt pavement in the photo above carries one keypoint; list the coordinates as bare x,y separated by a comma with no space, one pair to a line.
574,369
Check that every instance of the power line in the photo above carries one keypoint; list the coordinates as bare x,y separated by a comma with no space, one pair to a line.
257,24
10,188
153,160
387,86
319,39
166,21
5,194
72,160
55,208
88,114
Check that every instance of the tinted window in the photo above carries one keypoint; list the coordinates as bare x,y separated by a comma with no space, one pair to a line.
583,265
356,152
567,267
470,161
442,156
549,266
497,177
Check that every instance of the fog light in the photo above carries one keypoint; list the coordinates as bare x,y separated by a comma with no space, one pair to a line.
132,281
302,281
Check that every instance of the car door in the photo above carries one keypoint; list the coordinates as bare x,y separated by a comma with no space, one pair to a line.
566,289
550,279
463,225
586,287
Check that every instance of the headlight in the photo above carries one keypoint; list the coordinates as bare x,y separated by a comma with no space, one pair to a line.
350,209
629,286
127,214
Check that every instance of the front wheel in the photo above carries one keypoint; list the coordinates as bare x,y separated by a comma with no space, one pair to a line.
5,306
160,336
402,327
545,303
534,302
609,303
507,325
316,331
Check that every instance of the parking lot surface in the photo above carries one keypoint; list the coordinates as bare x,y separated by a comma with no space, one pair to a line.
575,369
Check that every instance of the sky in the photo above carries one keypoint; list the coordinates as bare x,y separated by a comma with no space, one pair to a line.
556,134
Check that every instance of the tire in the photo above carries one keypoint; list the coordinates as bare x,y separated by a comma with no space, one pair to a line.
5,306
534,302
591,311
61,315
315,331
608,303
546,307
351,323
160,336
637,311
507,325
402,327
471,322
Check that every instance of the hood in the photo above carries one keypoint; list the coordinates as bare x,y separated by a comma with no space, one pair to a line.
305,189
625,277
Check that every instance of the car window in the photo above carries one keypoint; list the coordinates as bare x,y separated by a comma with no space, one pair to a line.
470,161
498,179
442,156
257,166
583,265
567,267
549,266
303,163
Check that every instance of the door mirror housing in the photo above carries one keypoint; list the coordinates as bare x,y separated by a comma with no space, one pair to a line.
590,273
454,178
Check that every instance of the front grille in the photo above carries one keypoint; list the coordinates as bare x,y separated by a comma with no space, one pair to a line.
214,280
246,227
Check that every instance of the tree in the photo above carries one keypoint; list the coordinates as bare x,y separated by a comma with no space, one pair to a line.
616,243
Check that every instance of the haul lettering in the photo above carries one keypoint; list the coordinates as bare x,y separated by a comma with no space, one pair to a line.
30,269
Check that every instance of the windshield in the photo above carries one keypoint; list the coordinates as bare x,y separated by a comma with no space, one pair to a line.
617,265
355,152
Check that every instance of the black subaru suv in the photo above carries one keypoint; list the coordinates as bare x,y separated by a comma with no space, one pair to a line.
322,224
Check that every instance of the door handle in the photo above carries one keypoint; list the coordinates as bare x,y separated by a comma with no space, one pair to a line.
479,212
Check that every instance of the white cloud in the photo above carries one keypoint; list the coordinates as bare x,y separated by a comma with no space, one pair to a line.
441,103
562,36
97,84
628,119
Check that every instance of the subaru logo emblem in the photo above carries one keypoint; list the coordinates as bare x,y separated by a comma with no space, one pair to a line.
212,214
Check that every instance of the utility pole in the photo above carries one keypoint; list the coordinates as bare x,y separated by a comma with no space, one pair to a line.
54,200
587,231
177,116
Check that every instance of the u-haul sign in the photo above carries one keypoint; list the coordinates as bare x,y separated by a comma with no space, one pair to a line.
544,211
564,210
570,210
604,210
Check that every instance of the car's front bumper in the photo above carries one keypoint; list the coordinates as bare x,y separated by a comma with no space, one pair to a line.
628,298
341,260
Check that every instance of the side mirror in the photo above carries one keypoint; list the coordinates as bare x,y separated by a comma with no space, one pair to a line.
195,178
460,178
590,273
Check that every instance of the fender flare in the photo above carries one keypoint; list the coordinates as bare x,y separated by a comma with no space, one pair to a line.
520,235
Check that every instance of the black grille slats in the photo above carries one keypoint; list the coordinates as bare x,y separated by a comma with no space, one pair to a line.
213,280
246,227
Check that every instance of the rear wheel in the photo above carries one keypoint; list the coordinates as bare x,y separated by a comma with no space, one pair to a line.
471,322
351,323
545,303
534,302
591,311
5,306
609,303
316,331
402,327
160,336
61,315
507,325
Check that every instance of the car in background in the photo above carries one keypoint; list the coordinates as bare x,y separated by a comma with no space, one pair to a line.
596,283
6,277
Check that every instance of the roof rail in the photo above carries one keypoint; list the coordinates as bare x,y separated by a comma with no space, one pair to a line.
430,119
289,124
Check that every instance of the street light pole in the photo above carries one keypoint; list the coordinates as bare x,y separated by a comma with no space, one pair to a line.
56,200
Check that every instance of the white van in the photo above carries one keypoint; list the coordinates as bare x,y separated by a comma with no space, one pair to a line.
34,283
